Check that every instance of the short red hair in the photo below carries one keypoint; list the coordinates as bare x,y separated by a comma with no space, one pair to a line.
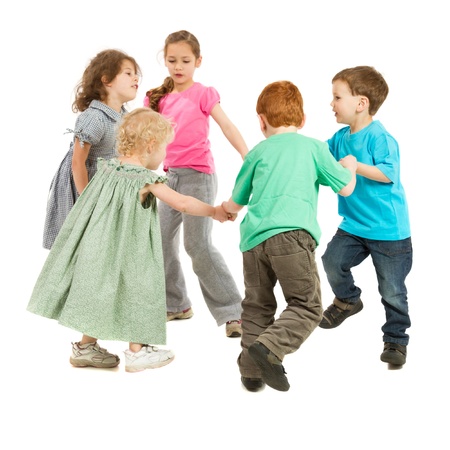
282,104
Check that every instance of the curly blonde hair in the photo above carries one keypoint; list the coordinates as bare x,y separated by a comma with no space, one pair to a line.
141,126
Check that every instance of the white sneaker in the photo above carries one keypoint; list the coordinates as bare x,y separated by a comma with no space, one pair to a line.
149,357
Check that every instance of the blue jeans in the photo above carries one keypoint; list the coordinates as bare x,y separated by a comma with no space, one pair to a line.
392,261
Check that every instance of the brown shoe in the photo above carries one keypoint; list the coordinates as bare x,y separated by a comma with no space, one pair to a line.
252,384
272,371
394,354
338,311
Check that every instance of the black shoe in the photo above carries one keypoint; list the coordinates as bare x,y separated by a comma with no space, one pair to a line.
394,354
338,311
272,371
252,384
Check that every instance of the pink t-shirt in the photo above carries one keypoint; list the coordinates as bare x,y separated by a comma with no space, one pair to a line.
190,111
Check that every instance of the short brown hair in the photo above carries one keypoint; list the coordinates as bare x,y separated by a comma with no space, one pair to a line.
365,80
282,104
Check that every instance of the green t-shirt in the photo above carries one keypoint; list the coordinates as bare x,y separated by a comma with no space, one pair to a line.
279,182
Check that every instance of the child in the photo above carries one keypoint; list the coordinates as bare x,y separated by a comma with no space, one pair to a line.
104,275
109,81
279,182
375,218
190,170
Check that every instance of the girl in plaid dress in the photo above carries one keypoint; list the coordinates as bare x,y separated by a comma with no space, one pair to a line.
104,275
109,81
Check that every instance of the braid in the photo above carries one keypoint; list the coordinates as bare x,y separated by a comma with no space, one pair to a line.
155,95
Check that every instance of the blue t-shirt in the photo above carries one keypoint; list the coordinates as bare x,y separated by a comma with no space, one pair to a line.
279,182
375,210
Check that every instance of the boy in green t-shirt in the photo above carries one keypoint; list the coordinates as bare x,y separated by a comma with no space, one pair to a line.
279,183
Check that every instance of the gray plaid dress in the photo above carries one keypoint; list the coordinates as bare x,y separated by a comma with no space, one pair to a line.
104,275
97,126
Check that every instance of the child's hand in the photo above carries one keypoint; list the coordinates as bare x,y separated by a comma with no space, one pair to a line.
220,214
231,216
349,162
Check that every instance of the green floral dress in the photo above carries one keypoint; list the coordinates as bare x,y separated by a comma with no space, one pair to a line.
104,275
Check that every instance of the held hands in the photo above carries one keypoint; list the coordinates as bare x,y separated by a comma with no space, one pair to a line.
222,216
349,162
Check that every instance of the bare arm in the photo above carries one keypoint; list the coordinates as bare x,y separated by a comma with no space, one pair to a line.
184,203
372,172
229,130
79,171
351,164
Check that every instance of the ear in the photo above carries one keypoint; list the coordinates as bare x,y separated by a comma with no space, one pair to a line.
363,104
105,80
262,122
198,62
151,145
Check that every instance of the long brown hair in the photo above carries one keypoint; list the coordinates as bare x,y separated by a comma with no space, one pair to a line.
106,64
156,94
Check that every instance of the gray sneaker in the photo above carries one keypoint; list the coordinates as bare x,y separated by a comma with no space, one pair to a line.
180,315
149,357
233,328
92,355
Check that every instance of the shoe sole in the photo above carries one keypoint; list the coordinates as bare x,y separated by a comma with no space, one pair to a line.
234,334
252,385
270,376
87,363
153,366
181,316
327,325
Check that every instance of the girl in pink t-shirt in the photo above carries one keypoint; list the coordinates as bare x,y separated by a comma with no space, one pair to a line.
190,169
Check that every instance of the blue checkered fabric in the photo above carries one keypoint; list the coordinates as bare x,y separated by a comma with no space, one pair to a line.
97,126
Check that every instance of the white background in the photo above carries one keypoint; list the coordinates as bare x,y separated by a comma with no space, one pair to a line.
342,396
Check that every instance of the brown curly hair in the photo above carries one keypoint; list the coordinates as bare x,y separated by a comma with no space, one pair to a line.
156,94
108,64
141,126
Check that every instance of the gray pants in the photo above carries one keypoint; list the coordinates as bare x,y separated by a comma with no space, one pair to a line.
288,258
218,286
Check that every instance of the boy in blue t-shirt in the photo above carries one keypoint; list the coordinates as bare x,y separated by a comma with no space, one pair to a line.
375,217
279,182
